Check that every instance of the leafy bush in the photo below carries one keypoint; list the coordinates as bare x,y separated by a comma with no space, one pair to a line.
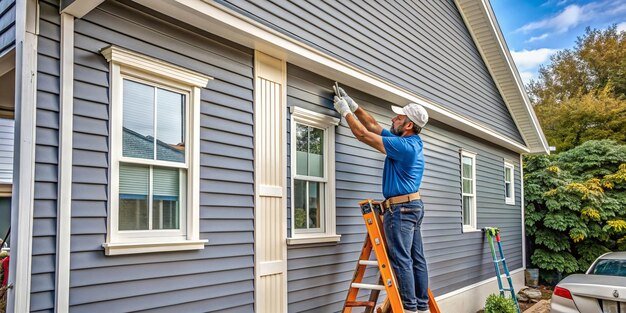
498,304
575,204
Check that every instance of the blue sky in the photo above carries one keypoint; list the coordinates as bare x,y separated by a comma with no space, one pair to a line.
536,29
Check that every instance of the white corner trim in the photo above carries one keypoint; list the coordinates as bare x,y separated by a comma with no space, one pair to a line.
114,54
313,239
224,22
18,299
521,186
148,247
308,115
64,203
79,8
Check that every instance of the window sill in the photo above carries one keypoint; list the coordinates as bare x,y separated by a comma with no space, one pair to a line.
470,229
509,202
322,238
149,247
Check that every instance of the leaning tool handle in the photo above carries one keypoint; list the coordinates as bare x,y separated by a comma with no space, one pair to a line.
492,232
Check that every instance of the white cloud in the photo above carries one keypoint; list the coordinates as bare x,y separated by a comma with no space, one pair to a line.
537,38
571,16
528,61
621,27
574,15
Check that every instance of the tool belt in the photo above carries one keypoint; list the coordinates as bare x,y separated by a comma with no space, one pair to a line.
400,199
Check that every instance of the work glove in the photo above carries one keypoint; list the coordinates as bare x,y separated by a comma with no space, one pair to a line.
342,93
341,106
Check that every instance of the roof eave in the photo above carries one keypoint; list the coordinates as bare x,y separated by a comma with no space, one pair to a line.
491,44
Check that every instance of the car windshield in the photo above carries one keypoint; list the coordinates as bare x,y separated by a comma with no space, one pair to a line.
610,267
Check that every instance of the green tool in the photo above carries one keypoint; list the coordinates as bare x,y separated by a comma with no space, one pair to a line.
492,233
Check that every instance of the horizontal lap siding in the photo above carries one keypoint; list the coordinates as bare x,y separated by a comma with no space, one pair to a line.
219,277
7,25
319,274
46,161
424,47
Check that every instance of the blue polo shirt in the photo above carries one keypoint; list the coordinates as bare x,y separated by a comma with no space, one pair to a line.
404,164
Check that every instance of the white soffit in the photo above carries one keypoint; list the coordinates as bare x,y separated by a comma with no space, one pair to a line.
483,26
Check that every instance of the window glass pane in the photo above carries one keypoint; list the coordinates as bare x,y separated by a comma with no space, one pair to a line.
467,186
507,174
302,148
166,198
507,190
133,197
467,210
315,204
299,204
467,167
170,126
316,152
137,121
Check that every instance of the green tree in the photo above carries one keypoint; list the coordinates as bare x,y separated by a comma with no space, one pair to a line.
581,94
575,204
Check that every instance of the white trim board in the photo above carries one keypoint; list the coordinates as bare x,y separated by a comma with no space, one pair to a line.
523,209
22,204
228,24
64,203
80,8
472,298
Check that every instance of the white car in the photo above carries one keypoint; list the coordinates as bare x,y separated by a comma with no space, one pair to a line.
602,289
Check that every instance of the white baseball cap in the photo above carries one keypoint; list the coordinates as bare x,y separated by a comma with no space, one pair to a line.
415,112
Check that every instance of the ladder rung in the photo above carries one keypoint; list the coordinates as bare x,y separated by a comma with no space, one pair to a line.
367,286
501,260
351,304
368,262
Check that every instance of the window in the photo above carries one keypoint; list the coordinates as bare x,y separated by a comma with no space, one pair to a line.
468,189
313,177
509,186
154,196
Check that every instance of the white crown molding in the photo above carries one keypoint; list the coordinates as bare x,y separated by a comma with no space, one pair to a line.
154,66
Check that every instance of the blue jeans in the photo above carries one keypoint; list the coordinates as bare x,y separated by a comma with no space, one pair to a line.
402,225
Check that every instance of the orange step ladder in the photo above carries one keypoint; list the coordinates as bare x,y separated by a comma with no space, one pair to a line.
375,240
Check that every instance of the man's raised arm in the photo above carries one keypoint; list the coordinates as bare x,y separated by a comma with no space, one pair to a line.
365,118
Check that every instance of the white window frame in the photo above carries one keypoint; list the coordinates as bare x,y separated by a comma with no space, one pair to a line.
328,233
124,64
474,212
509,200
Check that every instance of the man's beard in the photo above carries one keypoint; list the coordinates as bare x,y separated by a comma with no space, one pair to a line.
396,131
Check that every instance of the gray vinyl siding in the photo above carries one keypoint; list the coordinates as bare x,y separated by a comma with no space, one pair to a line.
319,274
423,46
46,160
221,276
7,25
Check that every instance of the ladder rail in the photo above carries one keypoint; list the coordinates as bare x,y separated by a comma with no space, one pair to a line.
375,242
494,233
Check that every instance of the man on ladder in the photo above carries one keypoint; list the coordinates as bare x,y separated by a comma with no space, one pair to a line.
402,176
